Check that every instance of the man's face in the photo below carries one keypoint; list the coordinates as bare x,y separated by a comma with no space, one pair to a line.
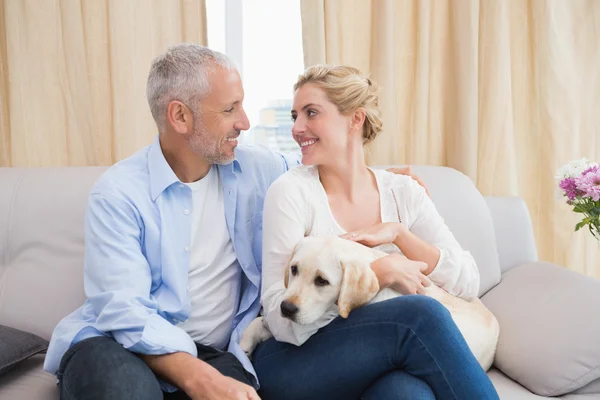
220,119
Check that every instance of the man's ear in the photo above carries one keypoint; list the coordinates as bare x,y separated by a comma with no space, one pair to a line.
359,286
179,117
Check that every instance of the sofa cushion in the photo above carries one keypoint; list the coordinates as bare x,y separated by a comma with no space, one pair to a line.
29,381
509,389
16,346
549,327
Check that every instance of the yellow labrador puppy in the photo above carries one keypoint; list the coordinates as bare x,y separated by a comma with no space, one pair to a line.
324,270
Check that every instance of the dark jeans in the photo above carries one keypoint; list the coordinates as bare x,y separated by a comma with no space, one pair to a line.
100,368
404,348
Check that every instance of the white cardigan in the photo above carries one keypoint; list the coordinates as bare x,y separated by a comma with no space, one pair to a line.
296,206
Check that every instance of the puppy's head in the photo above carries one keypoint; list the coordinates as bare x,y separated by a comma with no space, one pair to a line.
325,270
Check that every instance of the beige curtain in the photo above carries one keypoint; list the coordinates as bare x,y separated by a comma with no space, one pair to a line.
505,91
73,76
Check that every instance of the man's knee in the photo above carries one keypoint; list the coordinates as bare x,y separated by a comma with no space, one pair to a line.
101,368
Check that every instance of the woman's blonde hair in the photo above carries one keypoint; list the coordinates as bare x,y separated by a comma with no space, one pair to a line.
349,90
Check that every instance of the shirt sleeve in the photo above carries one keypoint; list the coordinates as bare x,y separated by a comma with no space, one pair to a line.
285,222
456,270
117,281
283,163
291,159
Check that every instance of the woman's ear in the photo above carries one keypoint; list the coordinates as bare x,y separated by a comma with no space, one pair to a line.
358,119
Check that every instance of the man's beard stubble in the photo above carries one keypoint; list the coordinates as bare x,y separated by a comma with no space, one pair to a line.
202,144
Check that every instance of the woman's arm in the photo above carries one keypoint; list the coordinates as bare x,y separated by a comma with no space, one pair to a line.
284,224
453,269
415,248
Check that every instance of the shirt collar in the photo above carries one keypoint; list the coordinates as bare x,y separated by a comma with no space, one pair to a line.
161,174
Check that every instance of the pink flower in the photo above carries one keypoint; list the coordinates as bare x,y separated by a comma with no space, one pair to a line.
589,183
570,188
593,168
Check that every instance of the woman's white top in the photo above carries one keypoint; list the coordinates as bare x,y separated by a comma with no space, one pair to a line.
296,206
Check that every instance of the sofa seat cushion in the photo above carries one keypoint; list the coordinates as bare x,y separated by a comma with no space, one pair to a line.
29,381
509,389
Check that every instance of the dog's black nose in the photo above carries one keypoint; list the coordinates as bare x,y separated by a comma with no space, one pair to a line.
288,309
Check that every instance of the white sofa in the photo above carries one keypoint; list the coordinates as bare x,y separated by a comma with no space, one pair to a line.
549,316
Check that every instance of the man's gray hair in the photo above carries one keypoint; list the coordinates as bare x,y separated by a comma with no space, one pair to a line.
181,73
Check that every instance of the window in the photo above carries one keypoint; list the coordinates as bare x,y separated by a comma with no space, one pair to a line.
265,38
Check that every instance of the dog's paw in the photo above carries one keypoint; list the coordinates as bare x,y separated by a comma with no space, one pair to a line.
248,345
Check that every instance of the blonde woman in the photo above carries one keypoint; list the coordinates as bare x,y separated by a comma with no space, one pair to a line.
404,348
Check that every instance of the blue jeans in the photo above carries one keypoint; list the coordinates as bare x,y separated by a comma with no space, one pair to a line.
101,369
404,348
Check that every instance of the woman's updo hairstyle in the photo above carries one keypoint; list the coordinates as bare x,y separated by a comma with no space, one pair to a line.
349,90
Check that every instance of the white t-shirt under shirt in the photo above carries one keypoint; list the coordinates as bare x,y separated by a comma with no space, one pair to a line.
296,205
214,272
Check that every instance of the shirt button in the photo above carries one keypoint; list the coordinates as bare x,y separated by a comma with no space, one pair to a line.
186,211
181,185
186,248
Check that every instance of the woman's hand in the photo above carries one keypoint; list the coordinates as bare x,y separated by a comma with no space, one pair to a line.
376,235
401,274
406,171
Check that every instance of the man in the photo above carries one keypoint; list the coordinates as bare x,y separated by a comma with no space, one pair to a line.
186,200
173,249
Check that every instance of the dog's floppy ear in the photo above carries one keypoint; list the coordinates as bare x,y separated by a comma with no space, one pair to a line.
286,275
359,286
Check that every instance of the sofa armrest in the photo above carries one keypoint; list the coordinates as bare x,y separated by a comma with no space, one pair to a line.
513,229
549,327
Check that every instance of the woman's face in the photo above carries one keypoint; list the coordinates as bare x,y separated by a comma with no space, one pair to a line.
319,128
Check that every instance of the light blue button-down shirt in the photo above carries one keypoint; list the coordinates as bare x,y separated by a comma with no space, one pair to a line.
136,260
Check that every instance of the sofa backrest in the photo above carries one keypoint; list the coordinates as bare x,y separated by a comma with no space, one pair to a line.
466,213
41,244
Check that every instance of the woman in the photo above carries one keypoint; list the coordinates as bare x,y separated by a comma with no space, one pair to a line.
404,348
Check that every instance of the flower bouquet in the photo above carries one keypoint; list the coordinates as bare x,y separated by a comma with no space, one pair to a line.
579,181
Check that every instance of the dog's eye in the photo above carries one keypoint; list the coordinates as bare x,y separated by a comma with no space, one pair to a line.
321,282
294,270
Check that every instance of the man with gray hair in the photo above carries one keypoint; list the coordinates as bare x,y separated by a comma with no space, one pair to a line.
173,249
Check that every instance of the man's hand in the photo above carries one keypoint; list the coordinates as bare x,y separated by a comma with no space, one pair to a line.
376,235
406,171
401,274
198,379
222,387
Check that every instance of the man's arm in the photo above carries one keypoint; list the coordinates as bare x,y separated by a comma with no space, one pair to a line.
117,283
118,280
285,162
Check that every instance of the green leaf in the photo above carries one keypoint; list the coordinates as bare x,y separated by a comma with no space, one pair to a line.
580,225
